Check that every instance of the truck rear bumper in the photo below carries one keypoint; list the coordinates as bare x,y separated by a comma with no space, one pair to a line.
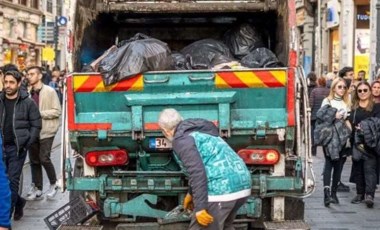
172,184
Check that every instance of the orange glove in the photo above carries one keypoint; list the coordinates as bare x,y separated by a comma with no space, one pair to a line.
188,202
204,218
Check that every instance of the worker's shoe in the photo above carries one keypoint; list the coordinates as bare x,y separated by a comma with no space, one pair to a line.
19,209
36,194
53,189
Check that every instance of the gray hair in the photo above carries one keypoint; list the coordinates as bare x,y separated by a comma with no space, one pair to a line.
169,119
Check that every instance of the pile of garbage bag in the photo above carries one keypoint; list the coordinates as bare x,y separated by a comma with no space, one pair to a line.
136,55
242,47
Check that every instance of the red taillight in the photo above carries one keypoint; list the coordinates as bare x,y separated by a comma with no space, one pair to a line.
259,156
107,158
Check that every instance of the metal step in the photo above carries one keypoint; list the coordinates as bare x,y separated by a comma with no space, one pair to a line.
289,224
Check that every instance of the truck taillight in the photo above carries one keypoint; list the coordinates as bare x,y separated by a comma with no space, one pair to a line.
107,158
259,156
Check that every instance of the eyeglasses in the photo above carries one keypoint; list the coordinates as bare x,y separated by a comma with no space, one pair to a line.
362,90
342,87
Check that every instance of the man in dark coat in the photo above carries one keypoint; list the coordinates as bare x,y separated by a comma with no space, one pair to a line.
20,122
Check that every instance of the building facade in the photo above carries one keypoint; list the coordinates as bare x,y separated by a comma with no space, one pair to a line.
19,20
344,36
29,30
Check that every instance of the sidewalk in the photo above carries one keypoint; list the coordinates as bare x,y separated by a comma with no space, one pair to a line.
339,216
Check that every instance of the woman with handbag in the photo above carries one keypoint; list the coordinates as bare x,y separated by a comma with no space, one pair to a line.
364,165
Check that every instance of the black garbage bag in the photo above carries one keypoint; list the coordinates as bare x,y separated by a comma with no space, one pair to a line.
136,55
206,53
179,61
261,58
242,39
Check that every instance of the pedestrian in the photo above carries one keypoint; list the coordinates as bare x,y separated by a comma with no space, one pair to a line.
375,88
219,180
347,73
316,97
20,125
338,99
364,171
312,82
54,83
329,78
5,194
361,76
39,154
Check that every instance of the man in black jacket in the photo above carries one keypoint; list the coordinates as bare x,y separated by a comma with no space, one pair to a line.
21,125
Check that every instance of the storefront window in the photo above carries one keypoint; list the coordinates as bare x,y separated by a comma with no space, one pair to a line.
35,4
22,2
49,6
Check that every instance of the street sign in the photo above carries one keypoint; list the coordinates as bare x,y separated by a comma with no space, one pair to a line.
61,21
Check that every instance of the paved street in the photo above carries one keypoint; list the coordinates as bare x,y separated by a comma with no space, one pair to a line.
345,216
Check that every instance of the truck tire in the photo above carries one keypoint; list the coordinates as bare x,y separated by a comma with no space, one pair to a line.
78,172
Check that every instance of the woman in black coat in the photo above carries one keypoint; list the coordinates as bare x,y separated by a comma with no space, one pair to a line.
364,171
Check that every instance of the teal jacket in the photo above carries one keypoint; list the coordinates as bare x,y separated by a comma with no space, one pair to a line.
216,173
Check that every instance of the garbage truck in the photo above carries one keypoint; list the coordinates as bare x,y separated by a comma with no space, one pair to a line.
116,159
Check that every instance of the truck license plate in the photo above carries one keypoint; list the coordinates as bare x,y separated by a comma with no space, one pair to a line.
159,143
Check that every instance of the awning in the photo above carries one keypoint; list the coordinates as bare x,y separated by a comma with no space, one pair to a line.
30,42
11,41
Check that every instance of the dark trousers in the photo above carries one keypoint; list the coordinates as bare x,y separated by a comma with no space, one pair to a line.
224,214
365,175
14,163
39,155
333,167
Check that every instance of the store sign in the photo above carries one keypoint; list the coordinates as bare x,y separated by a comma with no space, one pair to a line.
363,17
333,8
362,50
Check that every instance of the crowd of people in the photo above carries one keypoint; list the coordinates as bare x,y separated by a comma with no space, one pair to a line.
30,111
344,109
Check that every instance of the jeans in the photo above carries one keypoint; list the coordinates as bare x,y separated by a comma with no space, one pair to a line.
39,155
14,163
334,167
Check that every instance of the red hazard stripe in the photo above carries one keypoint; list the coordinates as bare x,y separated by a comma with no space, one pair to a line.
232,80
71,114
291,97
125,85
268,79
90,84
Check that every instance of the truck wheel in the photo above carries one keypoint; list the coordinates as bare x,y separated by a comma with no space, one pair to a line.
78,172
